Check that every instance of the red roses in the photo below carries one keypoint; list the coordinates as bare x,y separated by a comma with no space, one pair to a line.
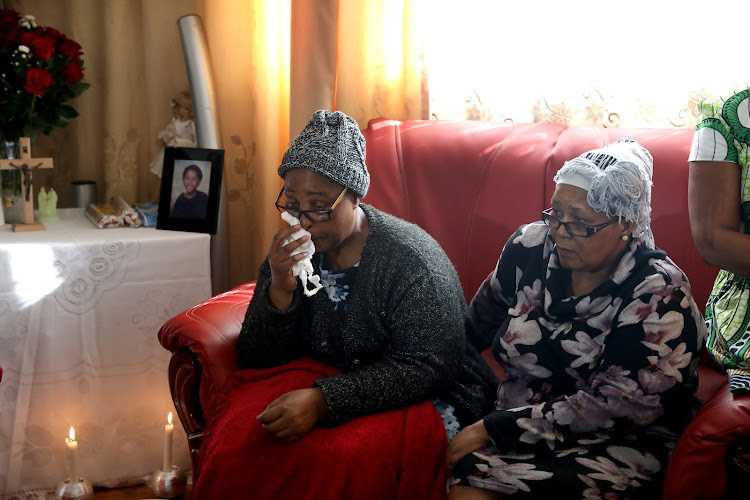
72,73
37,80
41,47
69,48
41,70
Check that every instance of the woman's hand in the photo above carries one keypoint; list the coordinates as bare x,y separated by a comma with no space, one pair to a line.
292,415
281,260
472,438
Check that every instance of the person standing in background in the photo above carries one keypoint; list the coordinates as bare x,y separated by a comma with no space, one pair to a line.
719,205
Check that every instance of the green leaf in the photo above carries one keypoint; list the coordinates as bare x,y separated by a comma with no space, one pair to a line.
68,112
78,87
36,121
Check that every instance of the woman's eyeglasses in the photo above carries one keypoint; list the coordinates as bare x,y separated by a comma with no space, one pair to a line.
573,228
312,215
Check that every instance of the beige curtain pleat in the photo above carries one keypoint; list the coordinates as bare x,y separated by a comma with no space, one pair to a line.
380,70
313,60
249,45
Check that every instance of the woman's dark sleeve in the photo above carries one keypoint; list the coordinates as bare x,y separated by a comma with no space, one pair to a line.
269,337
489,307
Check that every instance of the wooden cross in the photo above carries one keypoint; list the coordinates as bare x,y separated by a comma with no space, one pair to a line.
26,164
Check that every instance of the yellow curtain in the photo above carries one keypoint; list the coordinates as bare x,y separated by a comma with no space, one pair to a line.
362,57
249,47
274,61
380,70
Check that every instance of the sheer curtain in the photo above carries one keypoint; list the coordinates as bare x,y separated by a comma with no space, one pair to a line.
643,63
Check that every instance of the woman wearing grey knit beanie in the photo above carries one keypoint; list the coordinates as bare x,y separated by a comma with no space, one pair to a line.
385,335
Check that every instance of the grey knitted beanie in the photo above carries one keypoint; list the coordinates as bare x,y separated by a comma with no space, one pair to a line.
331,145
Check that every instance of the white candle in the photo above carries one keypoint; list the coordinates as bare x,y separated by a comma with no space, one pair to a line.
168,430
72,456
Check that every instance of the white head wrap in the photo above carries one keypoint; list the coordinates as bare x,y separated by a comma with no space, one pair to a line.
618,180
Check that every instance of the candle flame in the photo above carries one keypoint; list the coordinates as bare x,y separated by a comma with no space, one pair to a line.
72,434
169,418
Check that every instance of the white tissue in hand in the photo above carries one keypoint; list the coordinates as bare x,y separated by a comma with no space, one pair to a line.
304,268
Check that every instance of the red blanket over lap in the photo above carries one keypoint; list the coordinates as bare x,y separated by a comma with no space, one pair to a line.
395,455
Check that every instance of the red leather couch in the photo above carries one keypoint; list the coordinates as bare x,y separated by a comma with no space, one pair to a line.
471,185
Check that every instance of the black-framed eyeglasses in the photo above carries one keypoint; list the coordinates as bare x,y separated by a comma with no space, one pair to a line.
574,228
312,215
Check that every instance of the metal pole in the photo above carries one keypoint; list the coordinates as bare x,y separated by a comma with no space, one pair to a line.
200,75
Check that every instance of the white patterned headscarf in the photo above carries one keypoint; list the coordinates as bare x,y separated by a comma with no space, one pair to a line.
618,178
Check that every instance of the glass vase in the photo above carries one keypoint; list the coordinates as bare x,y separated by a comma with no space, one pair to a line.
11,194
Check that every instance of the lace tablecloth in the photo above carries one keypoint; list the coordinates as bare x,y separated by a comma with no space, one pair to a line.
80,308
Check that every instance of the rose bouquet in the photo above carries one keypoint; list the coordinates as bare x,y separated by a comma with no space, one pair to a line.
40,70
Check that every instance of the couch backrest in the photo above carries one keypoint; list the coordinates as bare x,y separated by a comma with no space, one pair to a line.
471,184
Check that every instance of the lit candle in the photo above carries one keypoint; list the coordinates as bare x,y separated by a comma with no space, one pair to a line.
168,430
72,456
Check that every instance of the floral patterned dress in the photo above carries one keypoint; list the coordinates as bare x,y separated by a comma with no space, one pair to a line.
338,285
598,387
723,134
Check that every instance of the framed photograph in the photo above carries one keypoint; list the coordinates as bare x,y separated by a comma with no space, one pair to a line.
190,189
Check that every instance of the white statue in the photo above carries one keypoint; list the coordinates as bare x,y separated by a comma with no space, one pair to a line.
180,132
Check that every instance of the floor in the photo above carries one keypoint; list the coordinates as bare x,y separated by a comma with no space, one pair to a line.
134,493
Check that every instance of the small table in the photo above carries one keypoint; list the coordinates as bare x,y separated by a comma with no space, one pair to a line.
80,308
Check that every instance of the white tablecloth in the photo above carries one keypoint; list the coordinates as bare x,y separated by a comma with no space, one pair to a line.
80,308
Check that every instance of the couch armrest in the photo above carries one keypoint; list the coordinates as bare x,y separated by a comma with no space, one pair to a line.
698,467
202,343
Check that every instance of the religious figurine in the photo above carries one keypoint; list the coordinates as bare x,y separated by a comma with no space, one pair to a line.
25,166
47,205
26,170
180,132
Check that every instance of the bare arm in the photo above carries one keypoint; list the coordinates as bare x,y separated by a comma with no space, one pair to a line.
714,205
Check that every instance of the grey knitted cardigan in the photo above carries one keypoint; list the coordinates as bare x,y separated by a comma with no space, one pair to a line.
403,339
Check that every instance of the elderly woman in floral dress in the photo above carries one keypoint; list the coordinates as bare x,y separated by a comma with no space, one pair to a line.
599,336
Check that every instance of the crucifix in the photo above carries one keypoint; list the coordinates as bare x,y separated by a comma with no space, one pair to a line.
26,164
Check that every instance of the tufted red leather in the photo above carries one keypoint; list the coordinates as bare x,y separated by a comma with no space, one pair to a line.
470,185
209,331
698,468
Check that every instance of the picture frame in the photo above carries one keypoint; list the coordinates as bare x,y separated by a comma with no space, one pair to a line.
190,170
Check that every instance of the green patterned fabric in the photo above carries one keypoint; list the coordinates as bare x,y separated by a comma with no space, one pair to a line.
723,134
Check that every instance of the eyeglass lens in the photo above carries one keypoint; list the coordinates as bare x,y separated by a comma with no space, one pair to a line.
574,228
313,215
